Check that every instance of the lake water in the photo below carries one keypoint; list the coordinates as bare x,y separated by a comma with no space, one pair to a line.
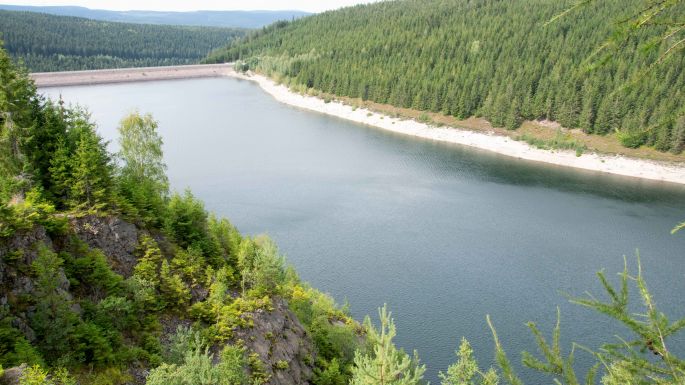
443,234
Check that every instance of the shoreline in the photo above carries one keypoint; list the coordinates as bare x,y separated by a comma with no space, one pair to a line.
661,171
611,164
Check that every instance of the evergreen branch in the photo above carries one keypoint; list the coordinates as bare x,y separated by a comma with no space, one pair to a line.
501,358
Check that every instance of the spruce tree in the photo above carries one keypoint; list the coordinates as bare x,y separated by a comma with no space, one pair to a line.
91,181
385,365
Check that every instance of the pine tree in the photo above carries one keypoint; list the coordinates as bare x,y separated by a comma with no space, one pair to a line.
466,372
386,365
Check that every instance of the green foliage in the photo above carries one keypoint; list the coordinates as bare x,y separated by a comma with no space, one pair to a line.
35,375
174,292
149,261
625,362
226,239
497,59
108,376
330,374
632,139
258,375
59,43
198,369
17,100
33,210
333,331
561,141
386,365
466,372
236,315
14,348
91,345
190,265
652,330
185,340
143,180
186,222
88,269
91,183
53,320
261,267
678,228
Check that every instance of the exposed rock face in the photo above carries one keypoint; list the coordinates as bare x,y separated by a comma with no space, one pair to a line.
278,336
11,376
279,339
116,238
25,242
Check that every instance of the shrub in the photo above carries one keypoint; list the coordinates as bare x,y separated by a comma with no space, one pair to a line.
185,340
173,290
197,369
330,373
632,139
35,375
88,270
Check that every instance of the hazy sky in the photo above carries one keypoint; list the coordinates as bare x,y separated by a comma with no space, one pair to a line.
192,5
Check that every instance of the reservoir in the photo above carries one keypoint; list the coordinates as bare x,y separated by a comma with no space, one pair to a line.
441,233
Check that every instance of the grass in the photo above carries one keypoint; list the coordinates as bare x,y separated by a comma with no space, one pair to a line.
561,141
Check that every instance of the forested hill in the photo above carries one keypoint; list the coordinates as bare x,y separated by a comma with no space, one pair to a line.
496,59
230,19
60,43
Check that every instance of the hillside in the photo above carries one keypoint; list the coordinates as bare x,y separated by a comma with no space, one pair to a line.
48,43
493,59
106,277
227,19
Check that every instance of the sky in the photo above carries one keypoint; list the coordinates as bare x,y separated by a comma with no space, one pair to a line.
194,5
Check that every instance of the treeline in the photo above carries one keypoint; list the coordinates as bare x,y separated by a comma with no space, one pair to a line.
497,59
60,43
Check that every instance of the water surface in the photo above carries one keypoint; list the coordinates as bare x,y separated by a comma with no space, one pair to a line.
443,234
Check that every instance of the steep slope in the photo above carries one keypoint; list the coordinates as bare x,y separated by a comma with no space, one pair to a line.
273,334
496,59
60,43
108,275
228,19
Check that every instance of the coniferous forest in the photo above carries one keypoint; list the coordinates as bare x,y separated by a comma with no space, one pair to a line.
109,277
502,60
48,43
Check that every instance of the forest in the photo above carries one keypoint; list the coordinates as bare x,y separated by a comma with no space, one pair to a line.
501,60
189,307
46,43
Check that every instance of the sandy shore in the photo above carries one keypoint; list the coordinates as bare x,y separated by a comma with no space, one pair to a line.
613,164
124,75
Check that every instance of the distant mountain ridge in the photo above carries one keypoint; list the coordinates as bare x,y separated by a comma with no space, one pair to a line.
233,19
